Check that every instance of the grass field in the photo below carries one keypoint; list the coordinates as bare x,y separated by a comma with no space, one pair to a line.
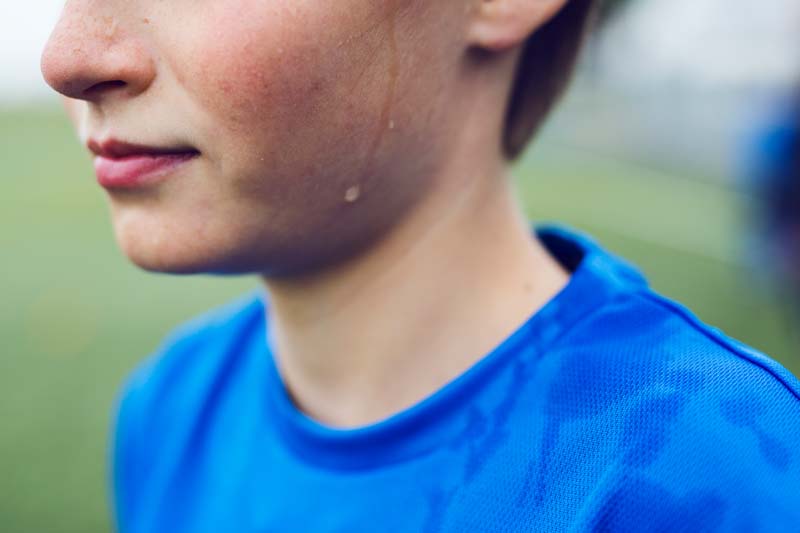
76,317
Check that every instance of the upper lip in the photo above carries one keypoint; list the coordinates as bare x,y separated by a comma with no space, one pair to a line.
114,149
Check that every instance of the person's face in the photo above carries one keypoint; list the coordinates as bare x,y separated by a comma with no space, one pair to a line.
297,130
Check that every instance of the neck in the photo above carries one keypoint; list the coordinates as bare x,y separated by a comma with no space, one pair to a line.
372,336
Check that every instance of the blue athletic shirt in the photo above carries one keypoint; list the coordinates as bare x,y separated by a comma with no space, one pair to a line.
610,409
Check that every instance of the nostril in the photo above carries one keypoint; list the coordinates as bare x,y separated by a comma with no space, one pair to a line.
104,86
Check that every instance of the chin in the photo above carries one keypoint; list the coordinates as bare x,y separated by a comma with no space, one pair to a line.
198,261
165,250
230,258
179,242
184,252
168,262
164,241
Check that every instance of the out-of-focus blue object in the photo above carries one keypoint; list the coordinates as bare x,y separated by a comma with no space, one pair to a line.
775,174
779,148
610,409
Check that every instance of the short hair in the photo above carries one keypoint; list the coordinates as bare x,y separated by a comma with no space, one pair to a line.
545,68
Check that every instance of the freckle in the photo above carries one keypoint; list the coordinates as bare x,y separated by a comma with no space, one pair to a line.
146,20
352,194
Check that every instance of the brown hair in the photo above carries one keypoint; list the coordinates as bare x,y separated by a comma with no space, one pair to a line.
544,71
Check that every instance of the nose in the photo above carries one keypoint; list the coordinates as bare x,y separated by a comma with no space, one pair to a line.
91,57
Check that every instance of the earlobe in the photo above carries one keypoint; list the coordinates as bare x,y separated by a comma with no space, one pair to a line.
498,25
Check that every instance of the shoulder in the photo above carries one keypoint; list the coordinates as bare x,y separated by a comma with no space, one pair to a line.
704,424
738,382
646,339
765,370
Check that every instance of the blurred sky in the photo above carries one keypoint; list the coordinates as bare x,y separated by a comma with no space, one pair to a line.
24,27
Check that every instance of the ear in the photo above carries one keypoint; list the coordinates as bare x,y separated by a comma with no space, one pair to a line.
498,25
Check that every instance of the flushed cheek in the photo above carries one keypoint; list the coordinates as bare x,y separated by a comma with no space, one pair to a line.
288,113
293,105
244,82
291,109
263,63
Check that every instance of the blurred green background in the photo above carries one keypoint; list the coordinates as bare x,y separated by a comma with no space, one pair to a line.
76,317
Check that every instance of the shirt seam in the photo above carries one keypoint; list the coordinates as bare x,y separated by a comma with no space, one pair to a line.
719,339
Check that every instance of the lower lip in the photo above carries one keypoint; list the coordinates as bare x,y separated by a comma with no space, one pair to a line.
135,171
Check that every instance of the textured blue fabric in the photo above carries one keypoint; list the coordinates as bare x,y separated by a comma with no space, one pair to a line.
610,409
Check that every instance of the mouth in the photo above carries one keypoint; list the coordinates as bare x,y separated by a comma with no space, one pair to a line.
122,165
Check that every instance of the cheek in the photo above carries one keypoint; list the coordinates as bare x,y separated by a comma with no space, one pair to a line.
271,65
243,82
295,107
303,93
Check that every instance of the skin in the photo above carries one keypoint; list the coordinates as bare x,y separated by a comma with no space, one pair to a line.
349,155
